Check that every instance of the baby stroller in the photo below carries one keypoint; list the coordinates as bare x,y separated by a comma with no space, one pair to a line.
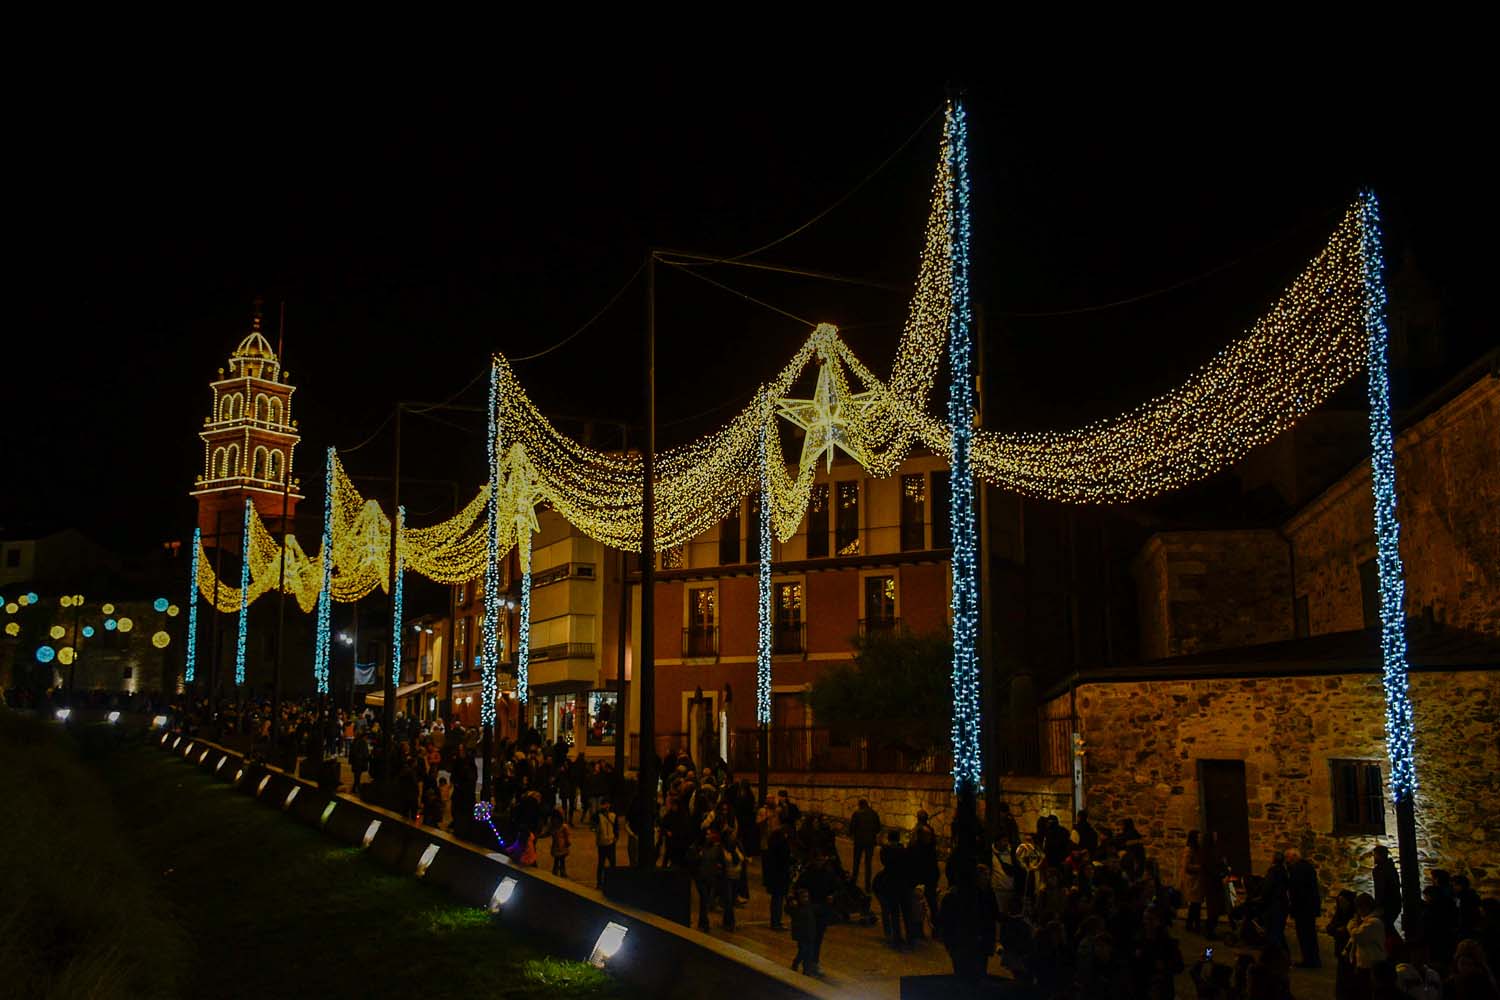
1240,893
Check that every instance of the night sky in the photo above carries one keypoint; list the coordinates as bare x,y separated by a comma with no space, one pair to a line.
412,229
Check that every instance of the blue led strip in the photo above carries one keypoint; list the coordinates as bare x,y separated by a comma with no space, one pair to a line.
763,637
1398,718
523,628
325,597
489,653
396,596
192,603
966,716
244,625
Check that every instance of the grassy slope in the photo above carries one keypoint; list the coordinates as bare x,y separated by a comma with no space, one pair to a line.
269,908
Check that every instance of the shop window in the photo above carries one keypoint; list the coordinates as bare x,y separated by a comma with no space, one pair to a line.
1358,797
913,512
604,707
787,634
817,522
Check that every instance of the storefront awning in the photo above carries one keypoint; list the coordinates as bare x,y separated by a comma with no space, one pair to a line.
404,691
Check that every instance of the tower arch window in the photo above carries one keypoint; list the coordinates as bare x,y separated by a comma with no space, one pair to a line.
231,406
274,410
262,407
275,465
219,468
258,466
232,465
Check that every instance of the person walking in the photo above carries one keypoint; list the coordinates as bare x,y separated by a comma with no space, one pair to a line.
359,760
606,834
729,869
1306,903
1386,890
922,857
1273,900
1366,947
776,870
562,842
1190,880
864,830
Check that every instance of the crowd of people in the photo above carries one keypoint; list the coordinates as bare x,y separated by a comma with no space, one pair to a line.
1075,913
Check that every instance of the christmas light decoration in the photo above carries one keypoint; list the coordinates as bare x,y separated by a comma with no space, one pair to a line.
523,633
161,640
108,609
65,601
967,773
88,631
109,624
763,636
45,654
1399,738
12,608
489,651
12,628
31,597
172,611
325,597
160,604
396,602
57,632
124,624
485,813
66,655
190,655
244,596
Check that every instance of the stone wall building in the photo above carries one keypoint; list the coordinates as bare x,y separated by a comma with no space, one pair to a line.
1258,714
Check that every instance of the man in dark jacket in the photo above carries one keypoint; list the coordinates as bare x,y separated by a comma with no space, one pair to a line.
1387,887
1273,901
1306,907
967,921
1088,837
864,830
776,870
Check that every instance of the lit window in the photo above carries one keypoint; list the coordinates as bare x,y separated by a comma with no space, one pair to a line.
846,518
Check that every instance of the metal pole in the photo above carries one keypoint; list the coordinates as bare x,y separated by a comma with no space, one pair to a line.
77,647
354,661
286,493
646,830
388,710
446,710
622,693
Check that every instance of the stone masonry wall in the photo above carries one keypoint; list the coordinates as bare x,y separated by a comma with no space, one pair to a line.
898,797
1200,591
1448,489
1143,740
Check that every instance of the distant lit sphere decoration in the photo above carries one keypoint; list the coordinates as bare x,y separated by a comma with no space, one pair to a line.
160,604
45,654
12,628
88,631
108,609
65,601
57,631
109,624
11,608
23,600
32,597
173,611
78,599
65,655
161,640
124,624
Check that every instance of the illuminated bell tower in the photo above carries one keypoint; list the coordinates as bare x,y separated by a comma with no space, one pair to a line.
248,443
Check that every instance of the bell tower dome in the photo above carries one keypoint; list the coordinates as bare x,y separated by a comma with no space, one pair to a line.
249,438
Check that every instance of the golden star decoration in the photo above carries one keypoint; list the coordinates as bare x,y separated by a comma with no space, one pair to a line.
827,419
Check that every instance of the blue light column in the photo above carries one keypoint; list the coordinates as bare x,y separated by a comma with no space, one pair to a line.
1398,715
190,668
967,775
321,651
396,614
523,628
489,653
244,623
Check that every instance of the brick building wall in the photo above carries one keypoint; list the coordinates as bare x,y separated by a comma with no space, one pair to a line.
1199,591
1448,488
1144,739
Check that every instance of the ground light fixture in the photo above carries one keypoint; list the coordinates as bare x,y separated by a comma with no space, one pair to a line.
114,716
290,796
262,786
238,775
63,713
187,749
176,742
610,940
156,723
370,832
327,812
425,861
502,893
203,756
220,765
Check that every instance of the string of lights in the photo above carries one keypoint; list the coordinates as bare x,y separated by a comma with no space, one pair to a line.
967,771
325,598
396,612
490,625
191,655
763,581
1399,738
244,621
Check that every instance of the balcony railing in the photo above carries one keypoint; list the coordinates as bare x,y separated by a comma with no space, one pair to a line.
869,625
699,641
788,637
564,651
